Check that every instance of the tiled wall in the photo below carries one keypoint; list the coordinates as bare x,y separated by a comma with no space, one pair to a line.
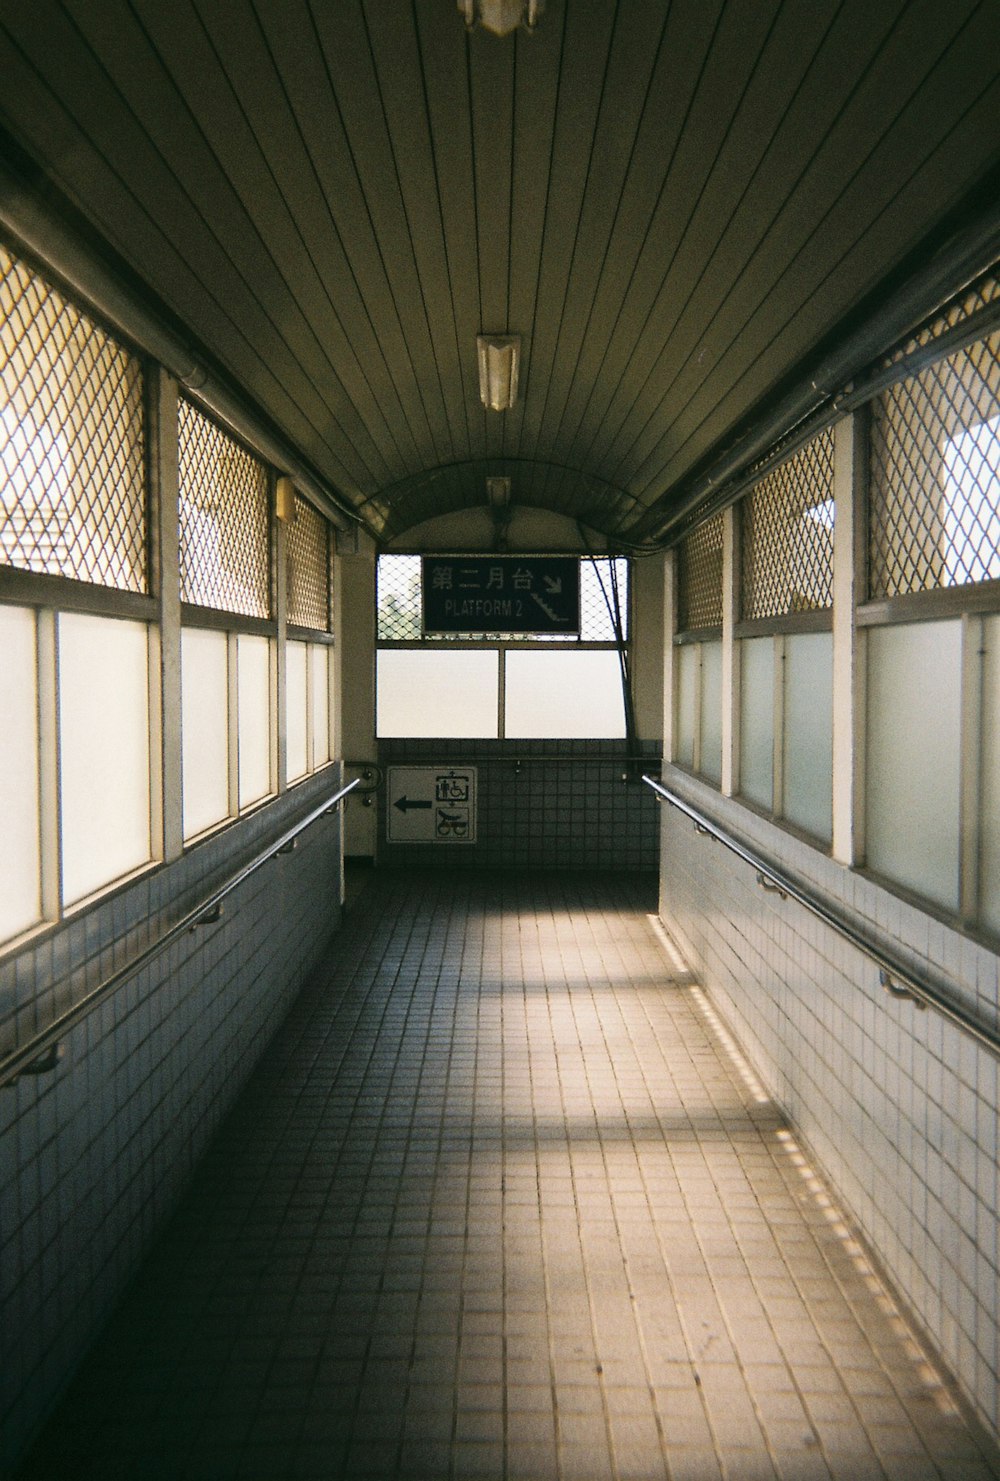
542,805
899,1107
94,1155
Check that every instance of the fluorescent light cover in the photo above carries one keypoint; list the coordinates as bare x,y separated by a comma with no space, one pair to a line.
499,361
501,16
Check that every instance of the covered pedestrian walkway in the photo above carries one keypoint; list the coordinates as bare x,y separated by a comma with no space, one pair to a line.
503,1199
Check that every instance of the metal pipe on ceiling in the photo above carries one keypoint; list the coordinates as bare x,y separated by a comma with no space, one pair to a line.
35,228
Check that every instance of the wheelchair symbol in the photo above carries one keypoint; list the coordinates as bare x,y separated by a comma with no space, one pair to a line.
452,788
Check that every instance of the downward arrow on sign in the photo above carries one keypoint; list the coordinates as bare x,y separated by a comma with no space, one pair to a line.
406,803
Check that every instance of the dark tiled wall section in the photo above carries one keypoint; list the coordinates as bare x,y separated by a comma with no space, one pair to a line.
542,805
94,1156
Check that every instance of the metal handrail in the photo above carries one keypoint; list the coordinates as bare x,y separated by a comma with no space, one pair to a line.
42,1052
897,979
558,758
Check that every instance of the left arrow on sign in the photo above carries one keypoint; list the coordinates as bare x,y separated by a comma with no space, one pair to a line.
405,803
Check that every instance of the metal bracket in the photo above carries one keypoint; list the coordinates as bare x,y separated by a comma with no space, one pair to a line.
372,777
771,887
896,991
287,848
46,1062
209,918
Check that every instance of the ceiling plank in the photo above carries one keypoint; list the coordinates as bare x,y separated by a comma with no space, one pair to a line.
91,184
583,74
346,44
823,279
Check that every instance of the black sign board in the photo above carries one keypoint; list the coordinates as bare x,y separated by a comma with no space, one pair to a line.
501,594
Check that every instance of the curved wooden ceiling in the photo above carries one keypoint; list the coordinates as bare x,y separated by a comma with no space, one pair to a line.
672,201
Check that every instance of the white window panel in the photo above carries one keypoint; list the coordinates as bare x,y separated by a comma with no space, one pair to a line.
254,717
205,728
757,721
990,822
687,664
434,693
914,710
563,696
319,702
808,734
104,750
711,711
296,705
20,859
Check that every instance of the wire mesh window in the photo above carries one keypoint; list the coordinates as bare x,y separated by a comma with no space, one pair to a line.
935,476
603,595
308,561
788,536
72,454
223,519
699,578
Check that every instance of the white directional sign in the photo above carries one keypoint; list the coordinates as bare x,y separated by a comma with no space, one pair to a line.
431,804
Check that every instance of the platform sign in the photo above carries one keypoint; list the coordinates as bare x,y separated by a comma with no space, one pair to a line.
431,804
501,594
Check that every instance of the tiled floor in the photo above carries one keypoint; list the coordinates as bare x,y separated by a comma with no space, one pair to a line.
503,1201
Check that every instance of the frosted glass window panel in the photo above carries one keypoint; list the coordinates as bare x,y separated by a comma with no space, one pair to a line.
990,821
20,857
563,696
254,717
104,750
434,694
808,738
319,702
296,710
687,658
711,711
204,728
757,721
914,707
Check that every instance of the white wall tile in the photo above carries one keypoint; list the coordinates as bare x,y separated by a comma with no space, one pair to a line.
898,1106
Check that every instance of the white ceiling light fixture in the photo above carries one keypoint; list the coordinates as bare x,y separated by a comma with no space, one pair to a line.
498,492
501,16
498,499
499,364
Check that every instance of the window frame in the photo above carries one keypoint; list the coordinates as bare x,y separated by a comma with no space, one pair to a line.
160,610
502,646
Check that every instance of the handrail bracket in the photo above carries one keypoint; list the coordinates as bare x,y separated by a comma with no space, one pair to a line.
896,978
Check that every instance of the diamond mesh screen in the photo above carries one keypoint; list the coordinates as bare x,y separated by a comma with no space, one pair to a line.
598,580
399,603
935,476
699,577
308,568
398,599
223,519
788,536
72,454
